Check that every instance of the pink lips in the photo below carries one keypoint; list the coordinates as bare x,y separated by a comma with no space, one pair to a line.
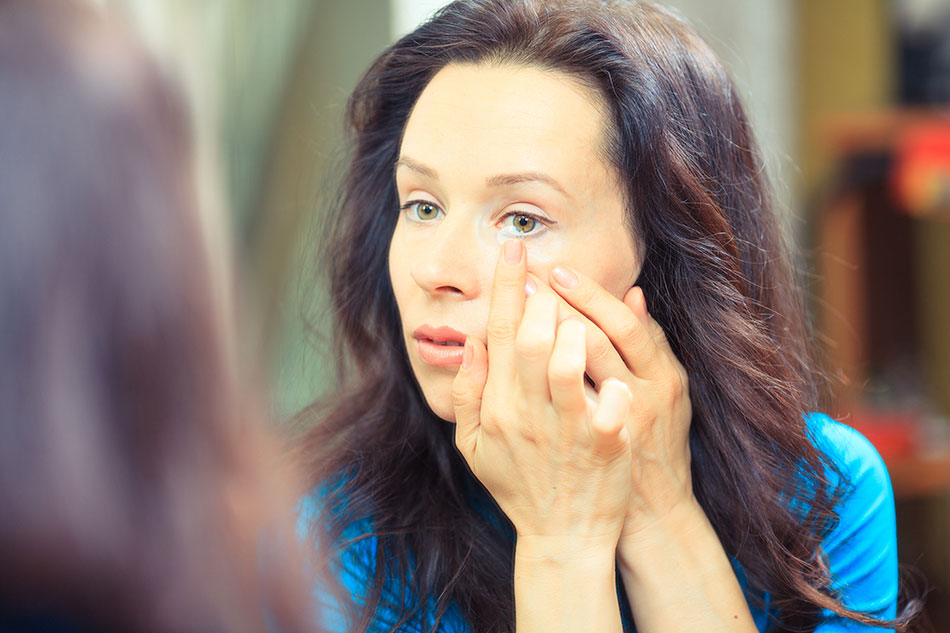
439,346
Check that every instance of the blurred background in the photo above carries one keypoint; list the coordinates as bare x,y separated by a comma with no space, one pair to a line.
851,103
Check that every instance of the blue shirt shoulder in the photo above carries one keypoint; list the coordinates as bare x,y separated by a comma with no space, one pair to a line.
862,548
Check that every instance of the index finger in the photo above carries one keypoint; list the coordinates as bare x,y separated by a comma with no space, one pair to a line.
631,336
507,308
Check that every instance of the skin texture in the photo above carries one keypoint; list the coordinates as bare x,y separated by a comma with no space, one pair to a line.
587,482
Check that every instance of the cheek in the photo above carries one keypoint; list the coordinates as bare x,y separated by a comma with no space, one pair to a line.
611,262
398,266
618,273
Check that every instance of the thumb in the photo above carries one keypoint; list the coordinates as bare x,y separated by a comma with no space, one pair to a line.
467,389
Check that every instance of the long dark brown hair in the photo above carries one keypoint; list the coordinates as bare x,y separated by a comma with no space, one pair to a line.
134,487
716,273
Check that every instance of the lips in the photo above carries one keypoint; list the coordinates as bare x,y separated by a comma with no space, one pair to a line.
439,346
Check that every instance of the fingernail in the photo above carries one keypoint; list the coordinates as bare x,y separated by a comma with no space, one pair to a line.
530,287
468,354
565,277
513,251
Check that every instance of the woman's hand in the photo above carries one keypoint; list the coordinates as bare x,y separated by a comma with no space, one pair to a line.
675,572
573,474
625,343
556,465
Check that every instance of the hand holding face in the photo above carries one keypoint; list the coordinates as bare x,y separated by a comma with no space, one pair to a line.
625,343
556,465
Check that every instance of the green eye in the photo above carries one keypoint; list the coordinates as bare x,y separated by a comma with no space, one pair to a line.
422,211
520,224
523,223
426,211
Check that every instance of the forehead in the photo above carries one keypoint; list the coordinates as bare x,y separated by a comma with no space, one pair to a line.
506,118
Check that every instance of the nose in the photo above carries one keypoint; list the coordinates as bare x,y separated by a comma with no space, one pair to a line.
450,263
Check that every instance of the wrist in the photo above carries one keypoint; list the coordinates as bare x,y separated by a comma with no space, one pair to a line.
566,584
676,573
684,528
589,551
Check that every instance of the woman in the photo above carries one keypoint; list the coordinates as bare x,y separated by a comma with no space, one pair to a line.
556,233
135,486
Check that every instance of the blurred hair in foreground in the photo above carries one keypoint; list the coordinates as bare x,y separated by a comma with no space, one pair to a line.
135,484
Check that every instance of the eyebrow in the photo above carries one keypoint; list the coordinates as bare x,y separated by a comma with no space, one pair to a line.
506,180
419,168
501,180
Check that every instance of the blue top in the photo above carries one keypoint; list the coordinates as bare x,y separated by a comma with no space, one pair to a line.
861,549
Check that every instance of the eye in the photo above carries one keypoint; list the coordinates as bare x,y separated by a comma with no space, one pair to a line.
422,211
521,224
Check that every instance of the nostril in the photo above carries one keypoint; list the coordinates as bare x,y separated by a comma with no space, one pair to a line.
449,290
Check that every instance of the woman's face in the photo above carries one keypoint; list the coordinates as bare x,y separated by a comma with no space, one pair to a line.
490,153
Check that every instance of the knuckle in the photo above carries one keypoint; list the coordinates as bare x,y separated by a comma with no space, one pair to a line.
490,423
586,293
629,333
600,348
528,433
658,333
460,394
672,388
533,345
565,372
678,388
677,379
501,330
508,284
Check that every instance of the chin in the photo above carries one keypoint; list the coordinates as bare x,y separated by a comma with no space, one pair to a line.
441,405
446,413
436,390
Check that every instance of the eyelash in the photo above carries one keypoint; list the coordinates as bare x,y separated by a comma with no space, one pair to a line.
540,221
406,207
